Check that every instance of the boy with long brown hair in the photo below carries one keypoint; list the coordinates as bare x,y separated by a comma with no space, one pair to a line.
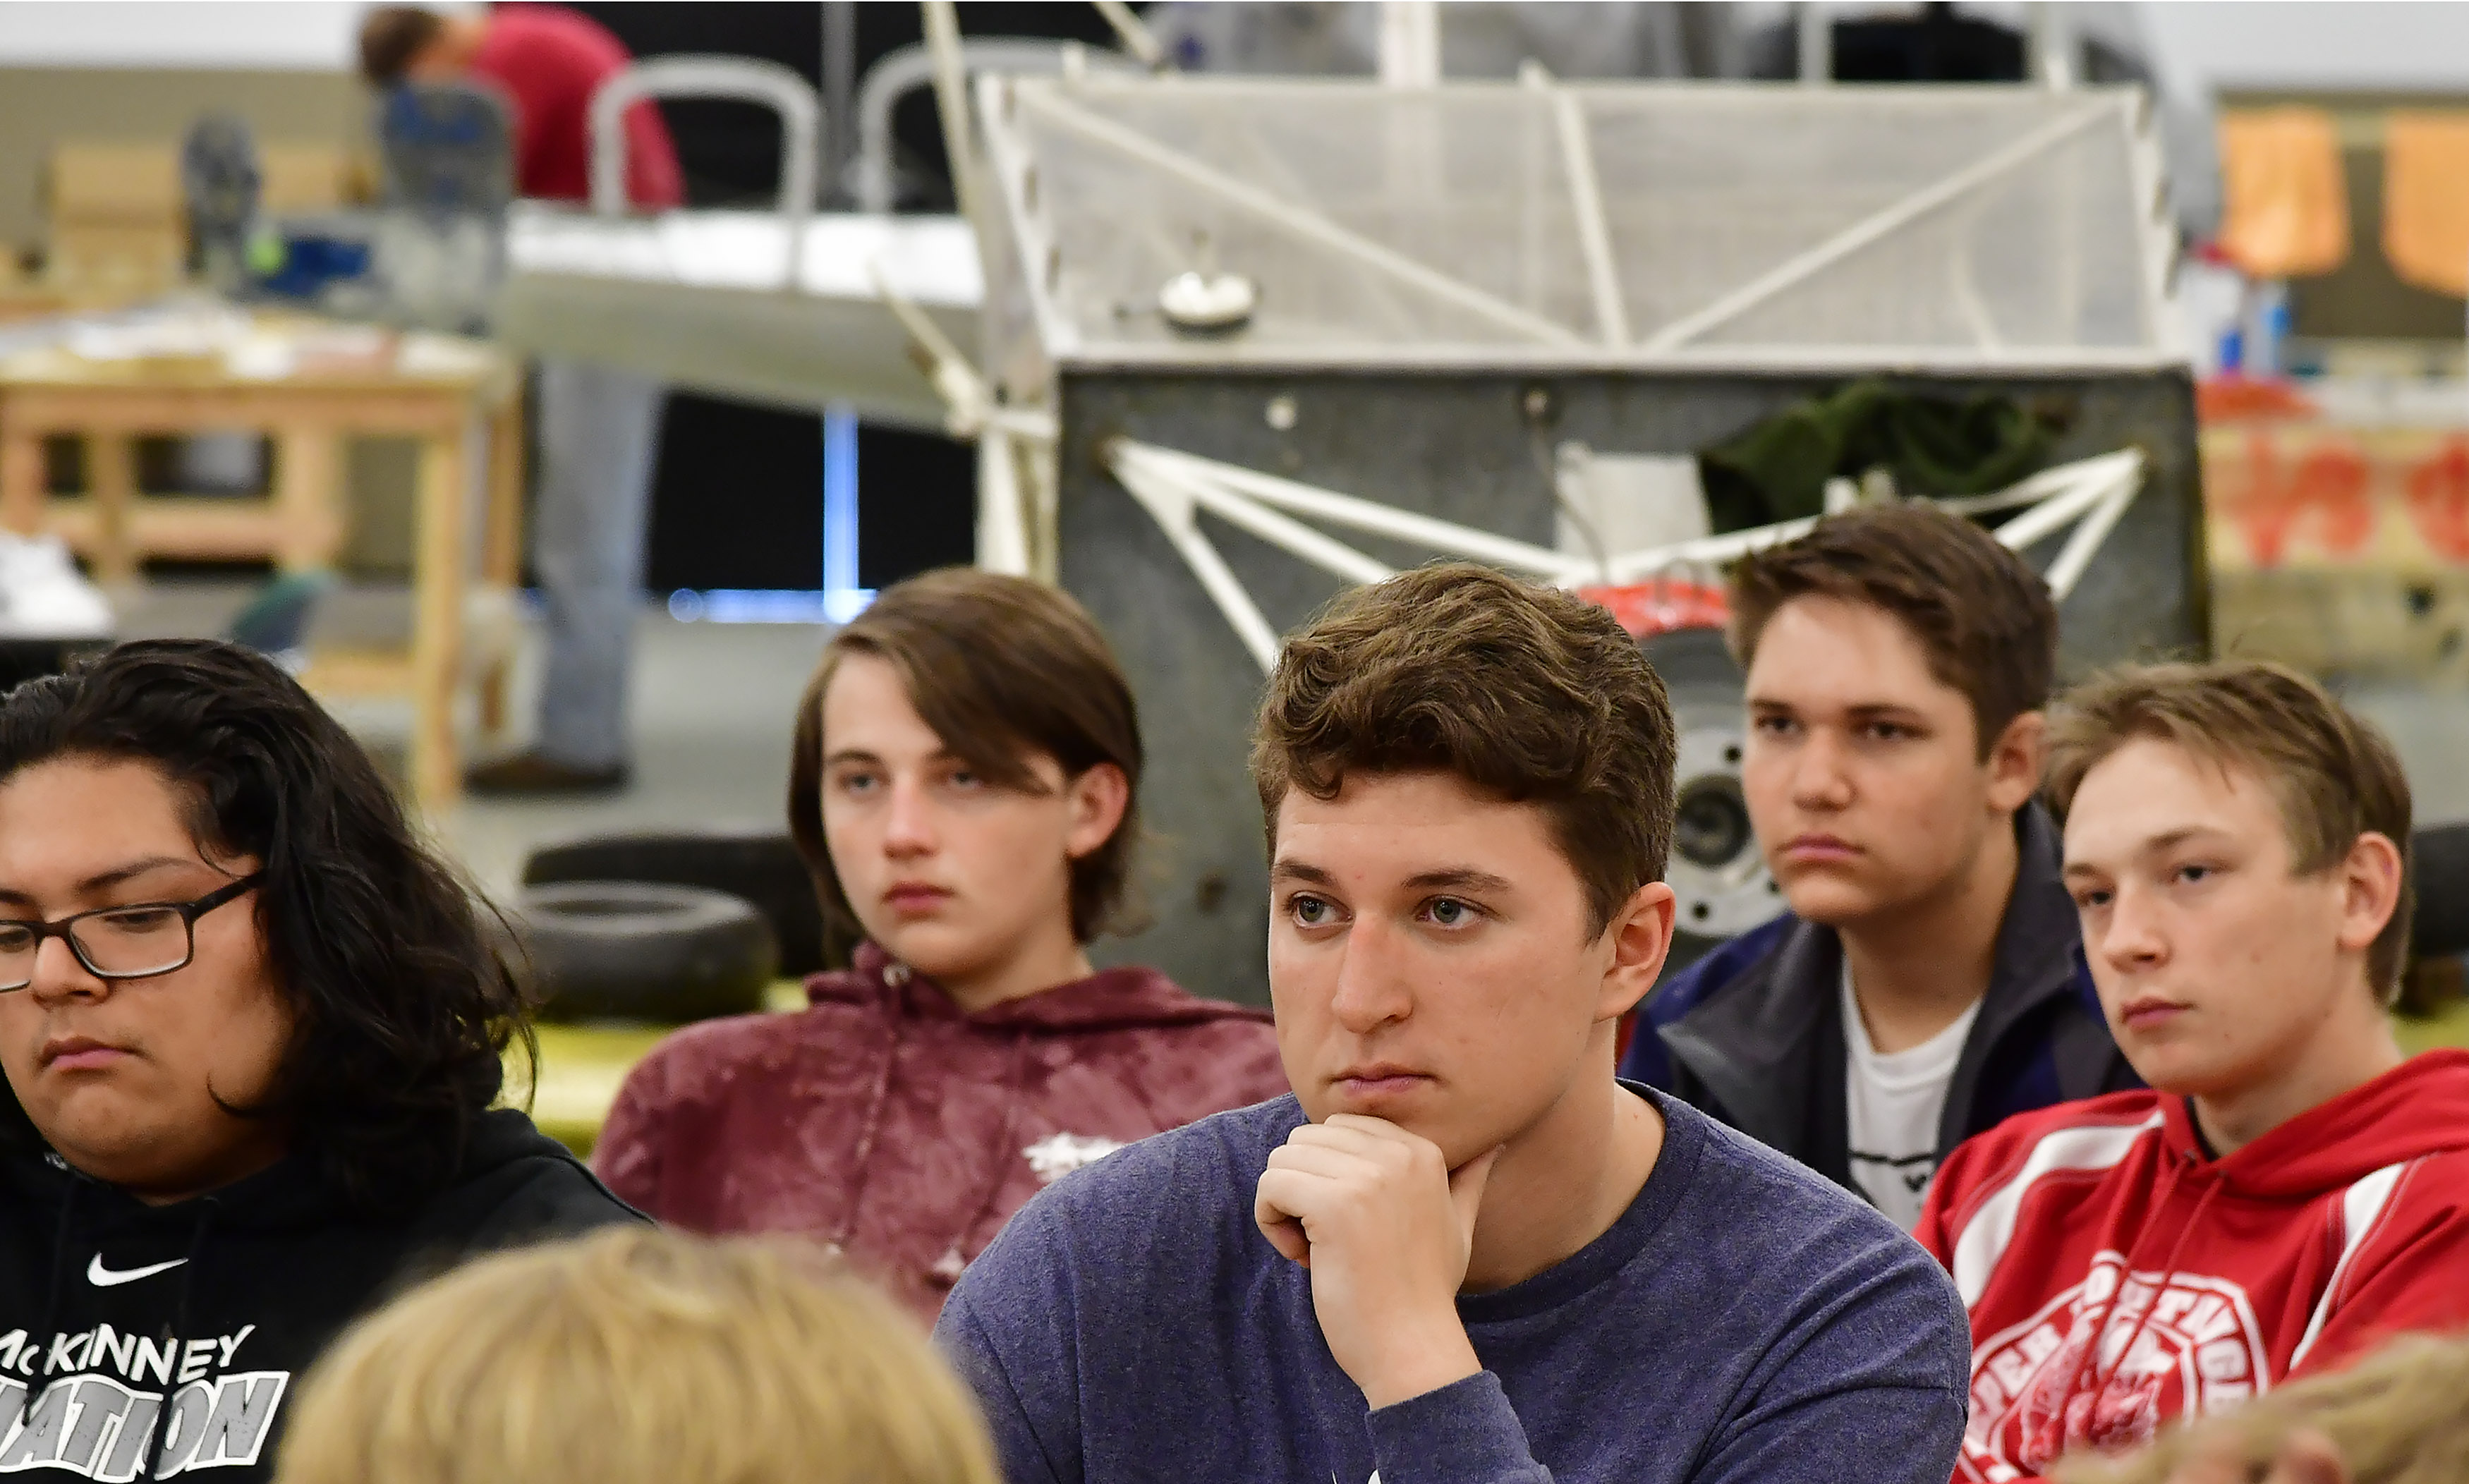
965,790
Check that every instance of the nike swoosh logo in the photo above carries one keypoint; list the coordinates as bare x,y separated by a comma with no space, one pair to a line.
103,1277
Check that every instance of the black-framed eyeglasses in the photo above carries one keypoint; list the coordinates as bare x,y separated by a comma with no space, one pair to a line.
135,942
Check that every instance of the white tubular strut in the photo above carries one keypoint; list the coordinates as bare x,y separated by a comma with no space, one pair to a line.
1003,526
1174,511
2091,495
1344,509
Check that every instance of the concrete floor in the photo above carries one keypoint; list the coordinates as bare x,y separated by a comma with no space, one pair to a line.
713,705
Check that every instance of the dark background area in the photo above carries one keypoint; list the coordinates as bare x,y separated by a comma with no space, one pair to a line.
738,501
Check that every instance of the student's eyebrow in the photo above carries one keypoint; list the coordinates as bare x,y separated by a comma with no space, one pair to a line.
104,881
849,755
2161,844
1458,879
1285,871
1858,710
2156,845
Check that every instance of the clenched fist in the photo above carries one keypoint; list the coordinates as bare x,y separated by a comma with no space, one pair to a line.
1386,1228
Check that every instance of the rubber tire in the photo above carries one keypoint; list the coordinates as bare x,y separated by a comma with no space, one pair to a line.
762,867
1703,683
2439,860
641,951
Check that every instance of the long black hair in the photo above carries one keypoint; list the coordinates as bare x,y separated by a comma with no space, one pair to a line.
403,1006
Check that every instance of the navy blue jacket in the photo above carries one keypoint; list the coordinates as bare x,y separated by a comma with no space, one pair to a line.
1752,1034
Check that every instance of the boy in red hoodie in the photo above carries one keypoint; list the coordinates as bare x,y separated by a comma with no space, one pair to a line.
2291,1190
964,787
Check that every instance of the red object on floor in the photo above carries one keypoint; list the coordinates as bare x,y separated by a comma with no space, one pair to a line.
1659,606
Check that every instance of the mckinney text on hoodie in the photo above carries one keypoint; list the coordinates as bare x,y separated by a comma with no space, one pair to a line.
222,1300
889,1121
2206,1280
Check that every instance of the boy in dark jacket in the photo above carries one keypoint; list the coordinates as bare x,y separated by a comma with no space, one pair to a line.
1927,981
252,1030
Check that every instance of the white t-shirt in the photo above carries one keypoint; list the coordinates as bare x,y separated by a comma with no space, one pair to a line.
1894,1103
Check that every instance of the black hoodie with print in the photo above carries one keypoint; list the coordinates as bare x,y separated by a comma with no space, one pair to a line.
223,1301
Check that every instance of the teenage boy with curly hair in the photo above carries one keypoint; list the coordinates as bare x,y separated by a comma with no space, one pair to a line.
1461,1252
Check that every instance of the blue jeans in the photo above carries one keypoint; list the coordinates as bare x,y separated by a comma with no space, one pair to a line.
600,439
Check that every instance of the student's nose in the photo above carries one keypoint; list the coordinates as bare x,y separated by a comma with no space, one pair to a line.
1371,989
60,975
2131,938
1818,778
908,823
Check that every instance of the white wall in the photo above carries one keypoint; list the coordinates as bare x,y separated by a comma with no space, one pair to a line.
305,35
2328,44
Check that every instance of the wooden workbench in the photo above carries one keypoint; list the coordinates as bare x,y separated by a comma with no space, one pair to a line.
457,399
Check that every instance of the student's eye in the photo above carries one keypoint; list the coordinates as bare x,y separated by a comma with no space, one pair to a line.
1309,911
1889,731
1772,726
859,783
2193,875
964,778
2091,901
1450,912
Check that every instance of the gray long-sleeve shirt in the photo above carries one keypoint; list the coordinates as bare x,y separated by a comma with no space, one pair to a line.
1744,1320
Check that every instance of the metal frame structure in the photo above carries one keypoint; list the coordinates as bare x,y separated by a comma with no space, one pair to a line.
1005,102
1016,485
2090,496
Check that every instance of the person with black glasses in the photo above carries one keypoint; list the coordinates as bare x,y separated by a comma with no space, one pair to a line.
253,1030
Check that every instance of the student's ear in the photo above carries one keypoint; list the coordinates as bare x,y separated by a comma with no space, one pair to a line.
2369,890
1097,799
1641,937
2016,760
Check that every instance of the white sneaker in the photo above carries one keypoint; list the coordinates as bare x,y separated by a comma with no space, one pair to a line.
43,596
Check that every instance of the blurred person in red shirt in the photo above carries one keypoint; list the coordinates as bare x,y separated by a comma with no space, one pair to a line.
599,426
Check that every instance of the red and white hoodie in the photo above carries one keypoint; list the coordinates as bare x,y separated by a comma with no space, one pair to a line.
2206,1281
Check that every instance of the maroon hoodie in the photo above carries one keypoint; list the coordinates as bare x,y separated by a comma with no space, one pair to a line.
889,1121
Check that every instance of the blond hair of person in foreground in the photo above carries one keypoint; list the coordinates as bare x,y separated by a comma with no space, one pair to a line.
638,1355
2394,1418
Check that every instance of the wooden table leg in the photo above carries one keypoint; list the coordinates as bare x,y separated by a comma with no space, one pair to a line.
308,498
501,541
438,563
501,549
111,486
21,479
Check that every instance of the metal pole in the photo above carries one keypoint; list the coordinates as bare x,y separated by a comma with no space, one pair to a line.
843,598
1136,37
1410,43
839,93
2053,53
952,102
1817,44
